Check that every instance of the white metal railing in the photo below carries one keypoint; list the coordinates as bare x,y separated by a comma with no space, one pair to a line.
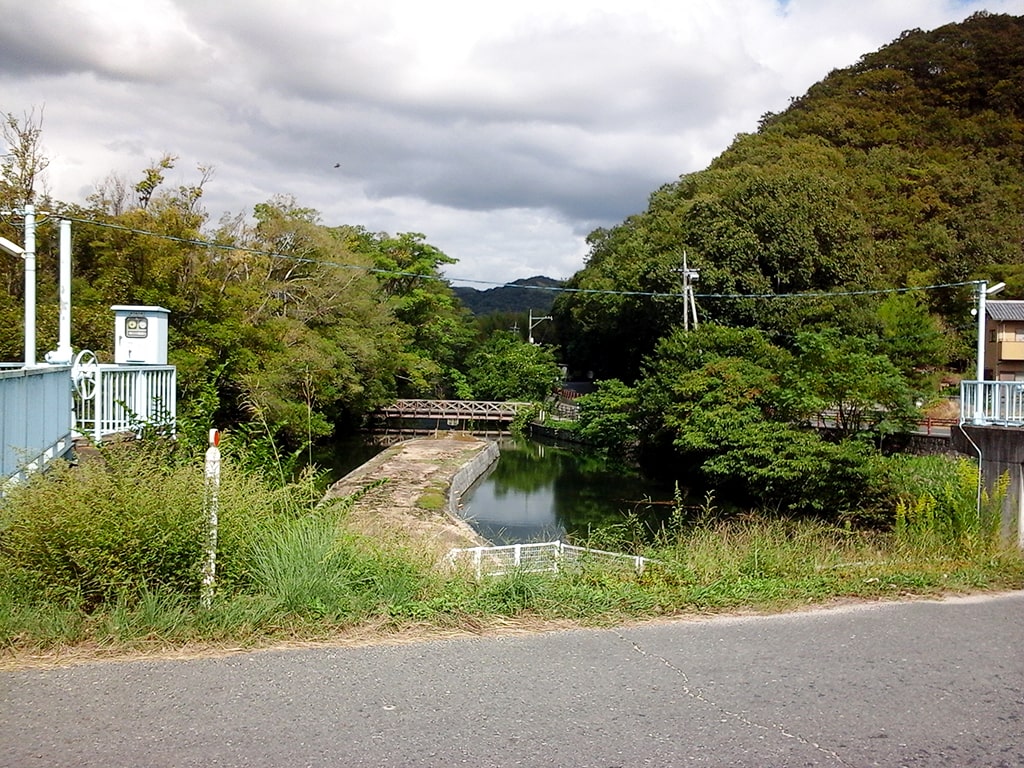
35,418
546,557
127,399
998,403
481,409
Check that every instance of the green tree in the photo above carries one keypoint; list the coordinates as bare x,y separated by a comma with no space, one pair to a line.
507,368
434,328
608,416
732,405
861,389
912,338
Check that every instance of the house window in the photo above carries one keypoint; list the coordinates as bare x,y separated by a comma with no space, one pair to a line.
1018,333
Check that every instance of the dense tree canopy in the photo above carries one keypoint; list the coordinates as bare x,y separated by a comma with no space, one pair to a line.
906,169
276,317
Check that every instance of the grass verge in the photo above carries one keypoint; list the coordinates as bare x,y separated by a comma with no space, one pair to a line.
88,580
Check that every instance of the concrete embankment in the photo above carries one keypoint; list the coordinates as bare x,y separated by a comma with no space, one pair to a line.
410,491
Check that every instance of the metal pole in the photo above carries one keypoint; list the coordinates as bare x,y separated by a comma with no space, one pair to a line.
30,286
64,334
212,501
982,289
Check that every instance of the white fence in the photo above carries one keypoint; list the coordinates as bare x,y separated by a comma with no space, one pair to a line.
999,403
35,418
127,399
548,557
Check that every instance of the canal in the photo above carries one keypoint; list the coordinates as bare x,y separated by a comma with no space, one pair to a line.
537,491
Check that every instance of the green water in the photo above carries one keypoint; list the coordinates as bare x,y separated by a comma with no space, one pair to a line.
536,491
539,492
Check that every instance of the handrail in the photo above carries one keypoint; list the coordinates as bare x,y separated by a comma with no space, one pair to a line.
992,403
128,398
450,409
35,418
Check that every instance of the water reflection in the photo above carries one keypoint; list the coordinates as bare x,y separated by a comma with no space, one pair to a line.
535,491
538,492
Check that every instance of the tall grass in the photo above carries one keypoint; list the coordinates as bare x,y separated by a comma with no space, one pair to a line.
106,556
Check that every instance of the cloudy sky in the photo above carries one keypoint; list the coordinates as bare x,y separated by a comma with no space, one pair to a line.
503,133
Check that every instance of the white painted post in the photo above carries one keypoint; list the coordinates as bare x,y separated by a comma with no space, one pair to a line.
30,286
64,288
212,497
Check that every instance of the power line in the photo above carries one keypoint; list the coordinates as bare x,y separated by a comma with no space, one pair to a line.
556,289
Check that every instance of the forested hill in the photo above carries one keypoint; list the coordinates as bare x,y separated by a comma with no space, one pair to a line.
519,296
905,169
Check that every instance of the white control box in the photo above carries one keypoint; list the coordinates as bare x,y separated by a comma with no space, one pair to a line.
140,335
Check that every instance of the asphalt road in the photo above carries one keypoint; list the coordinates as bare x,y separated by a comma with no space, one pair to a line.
911,684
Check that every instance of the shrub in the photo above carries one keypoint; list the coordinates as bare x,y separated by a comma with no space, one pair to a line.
131,520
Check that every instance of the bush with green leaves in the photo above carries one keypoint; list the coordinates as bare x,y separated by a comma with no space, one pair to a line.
129,520
945,504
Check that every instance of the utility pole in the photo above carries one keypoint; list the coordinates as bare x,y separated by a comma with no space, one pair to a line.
534,322
690,276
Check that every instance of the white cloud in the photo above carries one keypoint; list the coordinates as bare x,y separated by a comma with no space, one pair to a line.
503,133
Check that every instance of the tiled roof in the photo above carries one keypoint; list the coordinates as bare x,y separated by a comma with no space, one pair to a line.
1005,309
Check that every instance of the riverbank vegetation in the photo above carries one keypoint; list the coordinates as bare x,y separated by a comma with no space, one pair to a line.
105,559
836,248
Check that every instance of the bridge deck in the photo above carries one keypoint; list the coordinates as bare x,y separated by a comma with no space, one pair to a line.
480,410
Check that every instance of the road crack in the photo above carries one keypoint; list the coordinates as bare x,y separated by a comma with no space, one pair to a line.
698,695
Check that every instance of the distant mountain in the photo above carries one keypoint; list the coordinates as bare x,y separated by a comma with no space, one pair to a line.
534,293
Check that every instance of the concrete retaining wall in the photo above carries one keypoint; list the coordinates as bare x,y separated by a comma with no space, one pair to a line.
999,450
468,474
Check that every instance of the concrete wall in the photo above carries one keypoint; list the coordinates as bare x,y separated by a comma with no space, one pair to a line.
468,474
999,450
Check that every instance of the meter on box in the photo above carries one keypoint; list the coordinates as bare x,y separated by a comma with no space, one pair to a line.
140,335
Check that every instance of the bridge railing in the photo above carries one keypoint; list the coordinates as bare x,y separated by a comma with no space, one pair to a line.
998,403
35,418
127,399
482,409
546,557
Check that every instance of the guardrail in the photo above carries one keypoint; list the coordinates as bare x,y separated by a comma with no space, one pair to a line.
127,399
35,418
546,557
997,403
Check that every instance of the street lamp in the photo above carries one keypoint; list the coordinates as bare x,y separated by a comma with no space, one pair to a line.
984,291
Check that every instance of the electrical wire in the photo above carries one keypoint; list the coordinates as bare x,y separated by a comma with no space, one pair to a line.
555,289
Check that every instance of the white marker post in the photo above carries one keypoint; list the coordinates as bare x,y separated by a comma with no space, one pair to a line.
211,498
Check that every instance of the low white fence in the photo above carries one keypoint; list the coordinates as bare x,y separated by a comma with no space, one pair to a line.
35,418
999,403
127,399
547,557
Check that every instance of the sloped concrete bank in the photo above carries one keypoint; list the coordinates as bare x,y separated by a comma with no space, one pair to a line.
410,492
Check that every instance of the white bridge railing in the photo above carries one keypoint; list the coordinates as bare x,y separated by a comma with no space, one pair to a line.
547,557
127,399
35,418
455,409
995,403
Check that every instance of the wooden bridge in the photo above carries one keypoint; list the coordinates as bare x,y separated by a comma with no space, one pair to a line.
452,413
